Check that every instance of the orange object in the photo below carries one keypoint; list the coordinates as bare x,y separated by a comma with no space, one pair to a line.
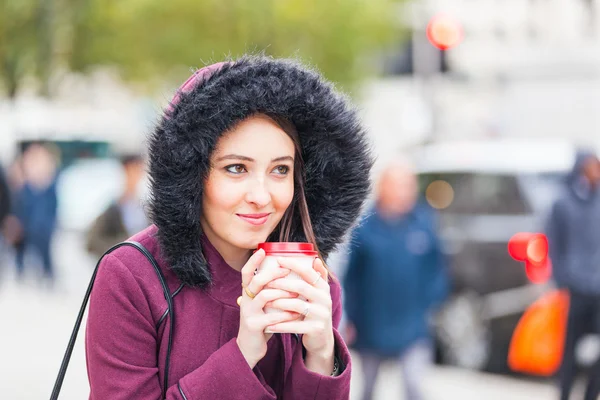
538,341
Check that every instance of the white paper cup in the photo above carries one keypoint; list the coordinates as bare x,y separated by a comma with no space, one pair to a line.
303,253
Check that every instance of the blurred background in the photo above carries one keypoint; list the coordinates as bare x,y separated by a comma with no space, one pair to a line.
488,98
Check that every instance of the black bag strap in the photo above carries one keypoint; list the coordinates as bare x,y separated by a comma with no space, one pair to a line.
168,297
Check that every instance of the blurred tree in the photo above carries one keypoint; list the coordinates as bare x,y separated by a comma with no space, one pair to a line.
150,39
45,43
18,42
27,32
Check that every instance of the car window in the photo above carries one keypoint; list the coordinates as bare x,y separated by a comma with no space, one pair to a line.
481,193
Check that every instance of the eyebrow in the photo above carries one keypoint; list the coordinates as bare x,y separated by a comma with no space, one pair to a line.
244,158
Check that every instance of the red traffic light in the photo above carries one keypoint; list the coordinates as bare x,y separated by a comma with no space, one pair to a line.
444,31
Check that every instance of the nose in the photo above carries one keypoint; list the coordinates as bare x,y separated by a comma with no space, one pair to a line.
258,193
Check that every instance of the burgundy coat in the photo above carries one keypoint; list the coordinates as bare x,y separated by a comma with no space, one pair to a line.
126,339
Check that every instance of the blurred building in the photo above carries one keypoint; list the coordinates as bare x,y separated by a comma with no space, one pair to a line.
525,68
97,109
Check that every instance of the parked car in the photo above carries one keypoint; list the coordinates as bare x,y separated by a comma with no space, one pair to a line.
495,188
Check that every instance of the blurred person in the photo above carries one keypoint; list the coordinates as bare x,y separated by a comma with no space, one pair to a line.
395,278
36,208
573,232
5,196
126,216
16,174
5,209
12,229
248,151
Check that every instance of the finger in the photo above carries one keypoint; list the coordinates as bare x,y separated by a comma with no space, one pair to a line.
300,307
292,295
294,315
251,265
305,290
260,323
307,327
323,272
277,318
246,301
266,296
306,272
258,281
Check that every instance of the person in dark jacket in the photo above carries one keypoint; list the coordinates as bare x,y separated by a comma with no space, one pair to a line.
251,150
5,209
396,275
5,197
124,217
12,229
36,208
573,232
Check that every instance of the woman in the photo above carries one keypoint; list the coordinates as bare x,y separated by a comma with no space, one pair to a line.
249,151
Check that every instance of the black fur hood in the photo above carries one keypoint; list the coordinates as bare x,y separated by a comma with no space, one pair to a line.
334,148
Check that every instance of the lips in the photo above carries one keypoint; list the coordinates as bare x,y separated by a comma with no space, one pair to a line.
255,219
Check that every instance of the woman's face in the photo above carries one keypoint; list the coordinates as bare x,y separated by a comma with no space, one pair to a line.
250,185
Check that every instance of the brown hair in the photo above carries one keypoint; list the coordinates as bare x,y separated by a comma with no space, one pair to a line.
298,209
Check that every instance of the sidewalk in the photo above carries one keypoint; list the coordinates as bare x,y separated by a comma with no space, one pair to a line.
446,383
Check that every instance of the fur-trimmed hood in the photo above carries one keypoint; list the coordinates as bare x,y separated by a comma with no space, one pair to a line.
335,151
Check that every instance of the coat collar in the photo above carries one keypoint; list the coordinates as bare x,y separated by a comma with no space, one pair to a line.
226,285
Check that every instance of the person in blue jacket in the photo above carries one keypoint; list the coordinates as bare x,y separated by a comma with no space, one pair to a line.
36,208
396,276
573,232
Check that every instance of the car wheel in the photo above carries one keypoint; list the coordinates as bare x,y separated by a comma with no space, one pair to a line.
463,333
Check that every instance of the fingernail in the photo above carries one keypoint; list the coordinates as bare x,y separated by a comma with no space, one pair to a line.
268,330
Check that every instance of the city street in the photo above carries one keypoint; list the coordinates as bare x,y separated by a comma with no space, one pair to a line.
39,323
455,143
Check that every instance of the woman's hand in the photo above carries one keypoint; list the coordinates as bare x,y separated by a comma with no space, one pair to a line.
252,339
316,326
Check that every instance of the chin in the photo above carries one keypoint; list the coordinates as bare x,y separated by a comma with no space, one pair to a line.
250,241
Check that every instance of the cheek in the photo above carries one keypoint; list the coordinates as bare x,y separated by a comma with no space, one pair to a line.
220,197
283,195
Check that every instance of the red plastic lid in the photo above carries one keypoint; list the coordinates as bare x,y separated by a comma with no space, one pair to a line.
306,249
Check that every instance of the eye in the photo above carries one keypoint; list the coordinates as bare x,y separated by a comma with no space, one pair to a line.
282,170
236,169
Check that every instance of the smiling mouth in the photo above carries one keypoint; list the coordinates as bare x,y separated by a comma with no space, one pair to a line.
255,219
